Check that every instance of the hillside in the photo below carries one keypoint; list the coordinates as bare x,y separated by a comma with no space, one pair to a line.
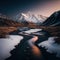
53,20
6,30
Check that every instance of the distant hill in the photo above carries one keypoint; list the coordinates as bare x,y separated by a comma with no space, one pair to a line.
9,22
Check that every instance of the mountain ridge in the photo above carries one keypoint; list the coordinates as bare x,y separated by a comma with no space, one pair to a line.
53,20
28,17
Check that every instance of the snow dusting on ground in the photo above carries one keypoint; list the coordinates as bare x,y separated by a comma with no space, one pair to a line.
51,46
32,31
8,44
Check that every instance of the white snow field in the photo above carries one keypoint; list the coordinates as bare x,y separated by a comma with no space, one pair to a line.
51,46
32,31
8,44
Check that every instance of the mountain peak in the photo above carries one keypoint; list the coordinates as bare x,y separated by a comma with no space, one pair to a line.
30,17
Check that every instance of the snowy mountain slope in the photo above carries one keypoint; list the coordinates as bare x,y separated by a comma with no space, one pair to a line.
29,17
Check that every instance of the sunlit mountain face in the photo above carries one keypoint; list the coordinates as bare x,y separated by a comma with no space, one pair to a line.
30,17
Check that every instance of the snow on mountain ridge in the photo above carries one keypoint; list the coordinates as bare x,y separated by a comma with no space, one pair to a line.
30,17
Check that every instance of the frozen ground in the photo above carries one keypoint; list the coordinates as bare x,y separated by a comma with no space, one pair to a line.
51,46
32,31
8,44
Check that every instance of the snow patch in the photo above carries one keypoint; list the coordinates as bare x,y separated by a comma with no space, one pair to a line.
51,46
8,44
32,31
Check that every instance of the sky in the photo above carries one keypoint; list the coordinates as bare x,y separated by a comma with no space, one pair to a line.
43,7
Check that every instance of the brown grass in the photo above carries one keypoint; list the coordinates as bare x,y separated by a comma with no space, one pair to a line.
6,30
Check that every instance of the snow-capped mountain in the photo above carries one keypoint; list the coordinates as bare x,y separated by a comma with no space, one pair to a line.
29,17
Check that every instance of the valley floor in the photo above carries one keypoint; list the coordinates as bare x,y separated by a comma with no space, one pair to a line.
24,44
